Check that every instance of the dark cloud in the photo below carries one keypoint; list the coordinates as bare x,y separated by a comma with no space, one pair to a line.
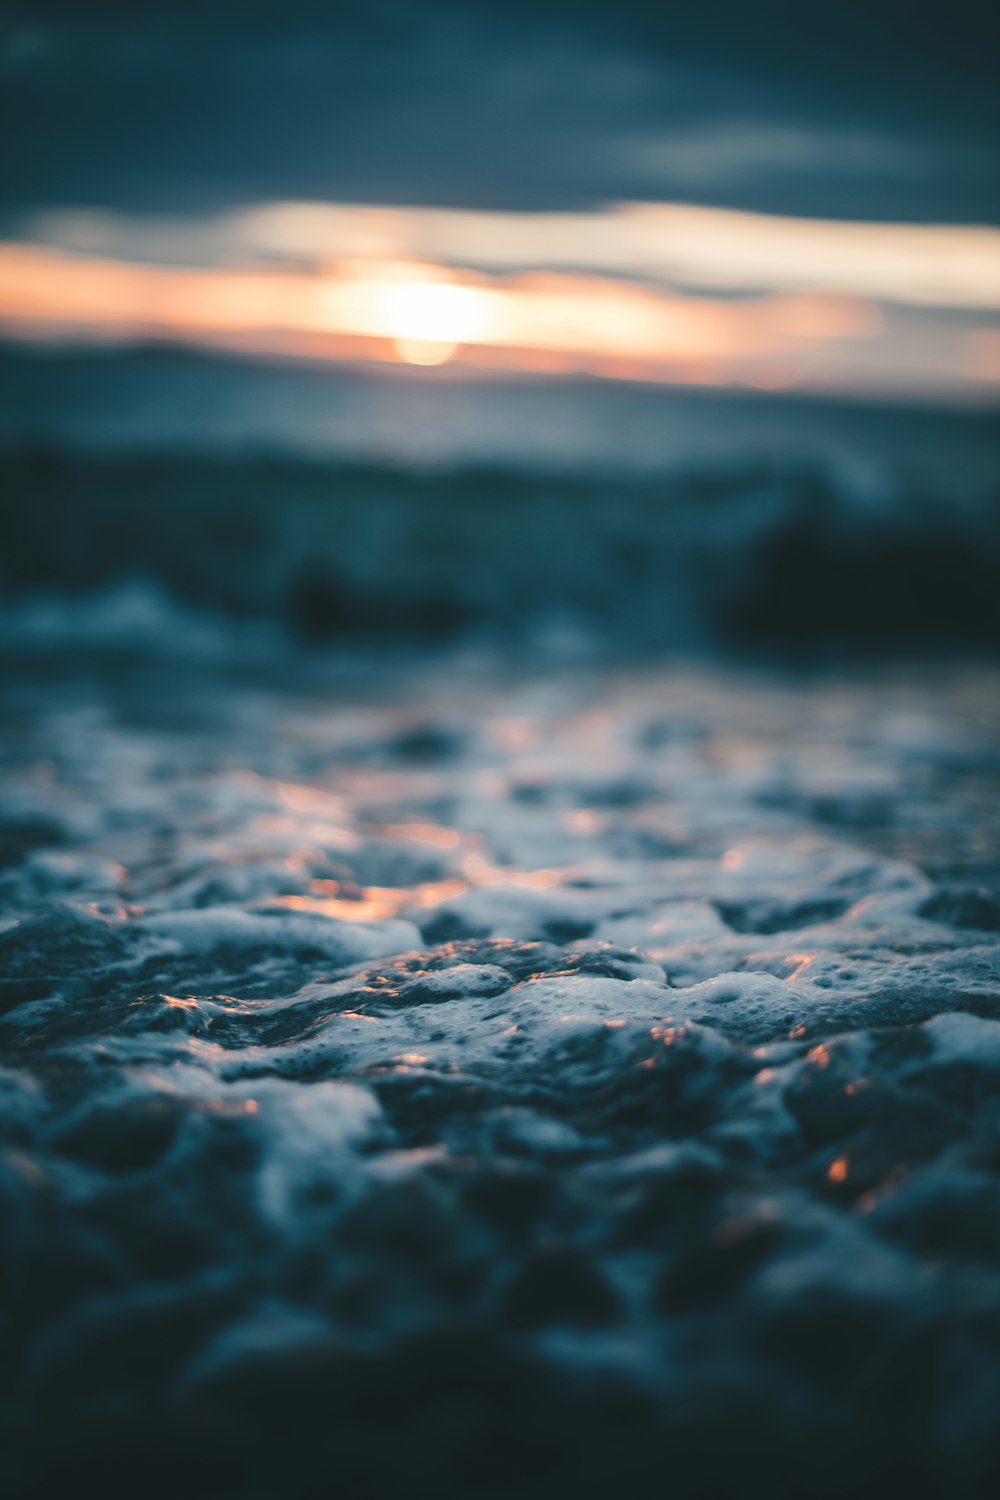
884,110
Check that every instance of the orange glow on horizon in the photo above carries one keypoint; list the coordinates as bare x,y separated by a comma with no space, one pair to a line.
418,313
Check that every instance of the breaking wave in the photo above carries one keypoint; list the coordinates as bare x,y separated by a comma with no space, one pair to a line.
782,557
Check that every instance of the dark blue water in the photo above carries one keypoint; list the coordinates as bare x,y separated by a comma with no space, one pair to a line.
499,967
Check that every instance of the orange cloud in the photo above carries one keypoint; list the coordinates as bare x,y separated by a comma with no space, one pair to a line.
707,249
423,314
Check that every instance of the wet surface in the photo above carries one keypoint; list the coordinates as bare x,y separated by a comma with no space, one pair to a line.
431,1076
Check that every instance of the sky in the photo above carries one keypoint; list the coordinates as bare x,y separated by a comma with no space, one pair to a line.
774,193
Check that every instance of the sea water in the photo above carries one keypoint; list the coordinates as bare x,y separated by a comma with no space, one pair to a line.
423,1072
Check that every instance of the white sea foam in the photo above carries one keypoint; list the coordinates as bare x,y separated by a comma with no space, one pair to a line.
494,1043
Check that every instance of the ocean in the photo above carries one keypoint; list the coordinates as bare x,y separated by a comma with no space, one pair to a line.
499,912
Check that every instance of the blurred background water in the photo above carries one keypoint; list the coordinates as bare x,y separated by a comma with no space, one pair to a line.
347,505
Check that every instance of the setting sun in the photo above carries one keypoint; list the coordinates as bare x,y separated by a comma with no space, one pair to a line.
429,320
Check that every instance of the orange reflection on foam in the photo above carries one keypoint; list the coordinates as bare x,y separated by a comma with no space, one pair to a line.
513,734
801,962
433,892
373,904
479,871
434,834
303,798
325,835
582,821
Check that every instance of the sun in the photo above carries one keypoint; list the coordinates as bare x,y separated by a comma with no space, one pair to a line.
429,320
426,351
